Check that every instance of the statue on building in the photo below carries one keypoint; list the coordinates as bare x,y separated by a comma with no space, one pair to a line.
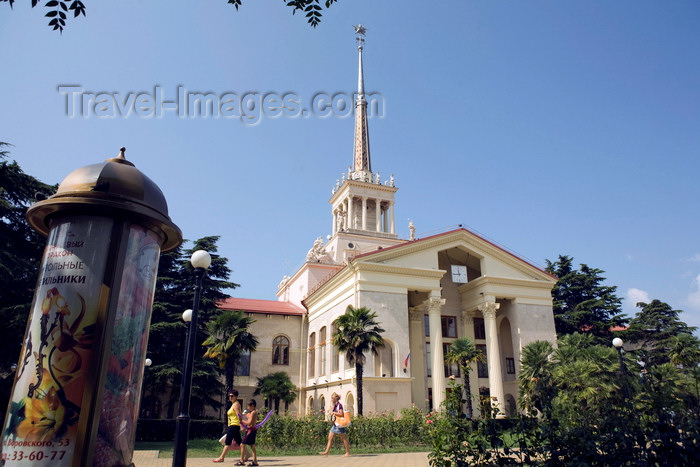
317,251
411,230
283,282
391,180
341,221
379,179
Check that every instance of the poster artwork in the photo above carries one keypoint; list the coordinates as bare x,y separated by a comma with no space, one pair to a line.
45,406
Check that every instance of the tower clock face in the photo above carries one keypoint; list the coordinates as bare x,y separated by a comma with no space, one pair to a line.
459,274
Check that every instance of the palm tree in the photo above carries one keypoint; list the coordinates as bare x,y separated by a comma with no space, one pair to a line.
229,338
536,380
357,332
276,386
463,352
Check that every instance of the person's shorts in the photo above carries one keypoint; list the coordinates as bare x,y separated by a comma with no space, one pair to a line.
233,433
338,430
249,437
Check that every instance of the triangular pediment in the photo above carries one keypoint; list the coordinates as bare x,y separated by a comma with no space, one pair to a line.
458,247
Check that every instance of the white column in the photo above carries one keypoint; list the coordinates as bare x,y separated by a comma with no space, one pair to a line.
416,365
364,213
351,214
493,356
385,222
379,215
391,206
335,222
437,359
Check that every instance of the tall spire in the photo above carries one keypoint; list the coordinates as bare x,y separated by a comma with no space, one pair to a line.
362,167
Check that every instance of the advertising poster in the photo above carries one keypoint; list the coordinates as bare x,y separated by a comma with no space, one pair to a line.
122,389
41,425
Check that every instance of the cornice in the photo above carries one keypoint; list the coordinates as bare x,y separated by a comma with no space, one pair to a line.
484,281
358,185
362,266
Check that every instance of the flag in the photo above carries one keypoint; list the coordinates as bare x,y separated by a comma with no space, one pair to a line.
405,362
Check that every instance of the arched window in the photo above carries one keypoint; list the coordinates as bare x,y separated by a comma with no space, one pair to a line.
280,351
322,351
312,354
335,357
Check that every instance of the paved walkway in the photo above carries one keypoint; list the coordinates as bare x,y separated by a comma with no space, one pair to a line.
408,459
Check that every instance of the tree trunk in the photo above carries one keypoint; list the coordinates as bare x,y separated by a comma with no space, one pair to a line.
468,391
358,374
277,405
230,371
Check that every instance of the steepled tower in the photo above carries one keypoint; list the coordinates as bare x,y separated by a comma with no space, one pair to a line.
362,163
362,206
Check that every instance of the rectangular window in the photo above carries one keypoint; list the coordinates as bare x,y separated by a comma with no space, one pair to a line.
243,365
449,326
428,363
479,329
450,368
510,366
482,368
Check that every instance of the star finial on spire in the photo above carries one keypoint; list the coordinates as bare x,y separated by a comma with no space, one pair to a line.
359,29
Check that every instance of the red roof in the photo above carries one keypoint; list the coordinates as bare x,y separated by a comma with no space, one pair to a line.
251,305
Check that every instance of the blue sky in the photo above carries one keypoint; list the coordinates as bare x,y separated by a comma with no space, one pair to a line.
548,127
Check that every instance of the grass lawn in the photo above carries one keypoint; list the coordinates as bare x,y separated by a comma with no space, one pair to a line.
212,448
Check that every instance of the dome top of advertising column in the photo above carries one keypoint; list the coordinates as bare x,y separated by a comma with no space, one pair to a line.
112,188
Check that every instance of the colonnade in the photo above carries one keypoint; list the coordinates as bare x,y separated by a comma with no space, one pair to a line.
345,217
434,306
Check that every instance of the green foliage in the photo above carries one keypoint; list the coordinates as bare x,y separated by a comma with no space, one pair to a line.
358,332
577,413
174,294
229,337
58,10
276,387
582,303
459,441
374,430
588,419
21,250
463,352
653,328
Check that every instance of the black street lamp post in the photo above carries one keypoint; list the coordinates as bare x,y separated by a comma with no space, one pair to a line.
200,261
617,342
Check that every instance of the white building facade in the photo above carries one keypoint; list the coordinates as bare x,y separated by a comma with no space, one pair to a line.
426,292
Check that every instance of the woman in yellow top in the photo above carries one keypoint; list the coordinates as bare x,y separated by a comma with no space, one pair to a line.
234,428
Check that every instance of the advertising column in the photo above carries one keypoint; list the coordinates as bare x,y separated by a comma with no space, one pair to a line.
76,392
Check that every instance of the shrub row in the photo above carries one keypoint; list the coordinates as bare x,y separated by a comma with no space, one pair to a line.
373,430
309,431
